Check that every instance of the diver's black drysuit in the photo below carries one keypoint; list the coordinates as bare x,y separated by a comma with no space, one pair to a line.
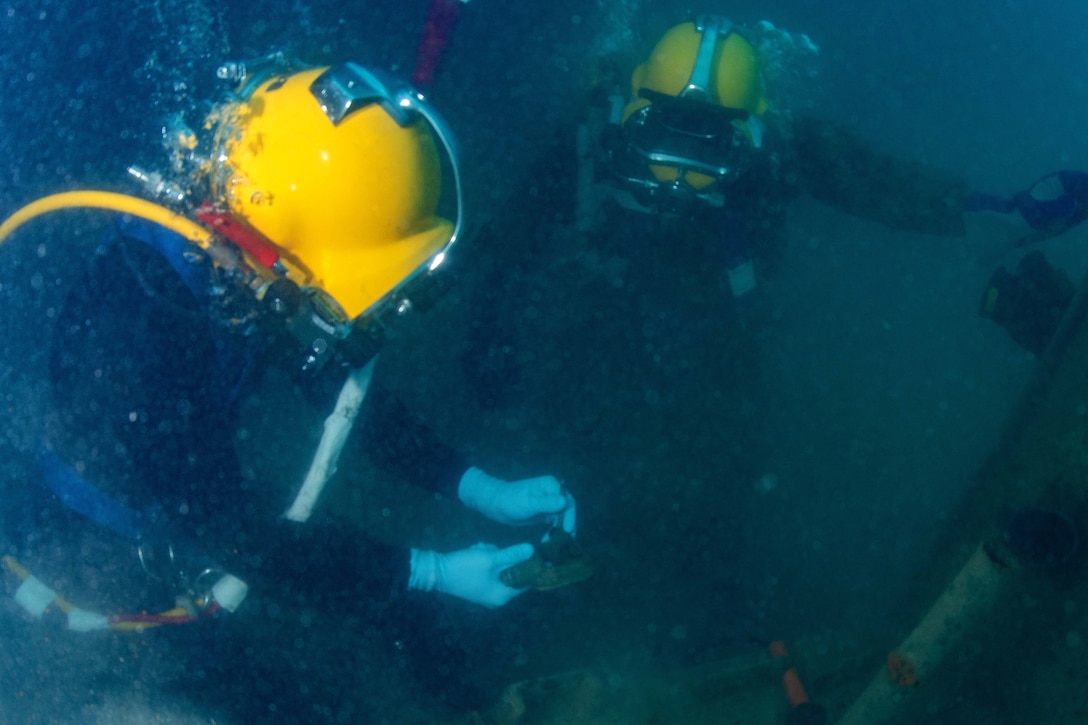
145,412
144,388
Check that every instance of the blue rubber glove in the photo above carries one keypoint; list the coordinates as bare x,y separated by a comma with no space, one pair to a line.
1054,204
471,574
519,503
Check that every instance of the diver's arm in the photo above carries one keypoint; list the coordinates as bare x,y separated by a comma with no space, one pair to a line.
325,559
401,444
838,167
1052,205
331,563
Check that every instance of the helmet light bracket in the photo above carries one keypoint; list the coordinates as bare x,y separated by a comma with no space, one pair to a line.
713,28
348,87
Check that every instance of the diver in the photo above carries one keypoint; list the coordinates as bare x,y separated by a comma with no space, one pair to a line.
697,141
283,239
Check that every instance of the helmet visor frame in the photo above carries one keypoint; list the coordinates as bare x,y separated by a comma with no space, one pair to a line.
689,134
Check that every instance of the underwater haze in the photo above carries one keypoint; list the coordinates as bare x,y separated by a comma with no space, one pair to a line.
792,484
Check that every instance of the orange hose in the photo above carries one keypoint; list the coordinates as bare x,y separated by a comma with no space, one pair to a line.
791,681
795,691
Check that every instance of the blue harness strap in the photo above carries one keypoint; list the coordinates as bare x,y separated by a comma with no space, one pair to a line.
77,494
172,247
233,348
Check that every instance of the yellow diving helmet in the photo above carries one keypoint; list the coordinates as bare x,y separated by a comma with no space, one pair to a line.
339,168
695,103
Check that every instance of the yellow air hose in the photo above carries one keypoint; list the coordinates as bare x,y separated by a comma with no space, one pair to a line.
113,202
123,204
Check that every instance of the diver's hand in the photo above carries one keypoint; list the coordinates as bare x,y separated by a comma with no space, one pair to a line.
471,574
519,503
1054,204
